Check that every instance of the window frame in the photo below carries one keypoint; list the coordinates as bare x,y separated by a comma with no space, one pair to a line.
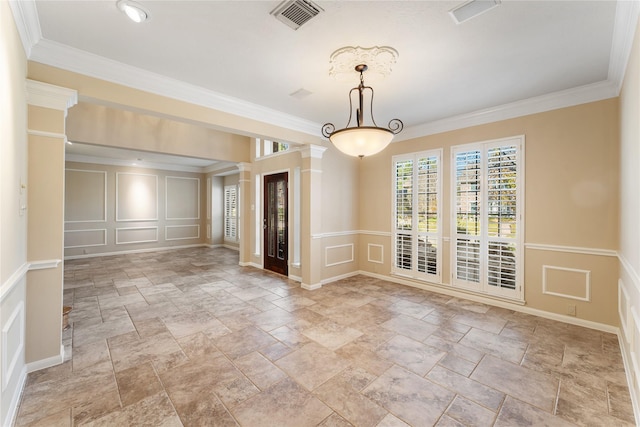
235,237
413,272
483,286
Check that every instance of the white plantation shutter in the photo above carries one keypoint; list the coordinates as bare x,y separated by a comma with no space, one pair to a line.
231,212
487,224
417,230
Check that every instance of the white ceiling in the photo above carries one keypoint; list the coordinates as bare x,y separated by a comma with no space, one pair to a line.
520,57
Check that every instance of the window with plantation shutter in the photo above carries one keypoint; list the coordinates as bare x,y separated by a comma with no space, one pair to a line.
416,220
487,227
231,212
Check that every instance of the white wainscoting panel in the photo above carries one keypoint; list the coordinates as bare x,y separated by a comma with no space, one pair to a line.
181,232
125,236
555,279
85,238
338,254
12,343
375,253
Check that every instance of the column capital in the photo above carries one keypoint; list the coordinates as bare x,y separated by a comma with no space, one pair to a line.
244,167
46,95
313,151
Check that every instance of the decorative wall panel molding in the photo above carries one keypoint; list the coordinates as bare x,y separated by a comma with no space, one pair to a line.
136,197
181,232
85,238
375,253
182,198
12,343
339,254
566,282
130,235
85,196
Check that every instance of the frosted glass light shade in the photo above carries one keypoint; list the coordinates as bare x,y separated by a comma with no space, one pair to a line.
361,141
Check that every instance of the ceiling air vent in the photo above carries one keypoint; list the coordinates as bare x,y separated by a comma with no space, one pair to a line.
471,9
295,13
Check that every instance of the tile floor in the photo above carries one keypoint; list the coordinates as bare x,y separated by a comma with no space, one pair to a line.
186,337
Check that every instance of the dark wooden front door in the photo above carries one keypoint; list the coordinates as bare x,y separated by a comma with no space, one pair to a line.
275,222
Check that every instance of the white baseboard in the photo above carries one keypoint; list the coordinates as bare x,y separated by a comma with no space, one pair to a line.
340,277
250,264
295,278
46,363
138,251
15,399
311,287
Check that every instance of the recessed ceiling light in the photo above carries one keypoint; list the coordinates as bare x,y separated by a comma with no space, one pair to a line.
133,10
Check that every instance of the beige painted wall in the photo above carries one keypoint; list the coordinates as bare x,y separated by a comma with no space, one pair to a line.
45,236
571,198
181,215
629,250
13,225
97,124
115,95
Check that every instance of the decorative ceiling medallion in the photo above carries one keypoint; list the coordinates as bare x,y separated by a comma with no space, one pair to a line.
379,59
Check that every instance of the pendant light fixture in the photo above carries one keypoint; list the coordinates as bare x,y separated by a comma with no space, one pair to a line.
361,140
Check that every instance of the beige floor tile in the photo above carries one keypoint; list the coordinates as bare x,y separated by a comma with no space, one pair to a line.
296,407
331,335
187,337
499,346
410,327
335,420
514,412
137,383
259,370
312,365
463,386
347,401
535,388
364,358
153,410
243,342
410,354
457,364
620,405
391,421
481,321
413,399
468,413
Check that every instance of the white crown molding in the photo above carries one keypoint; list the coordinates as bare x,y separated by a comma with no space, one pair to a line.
624,30
25,16
561,99
79,61
313,151
50,96
117,162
